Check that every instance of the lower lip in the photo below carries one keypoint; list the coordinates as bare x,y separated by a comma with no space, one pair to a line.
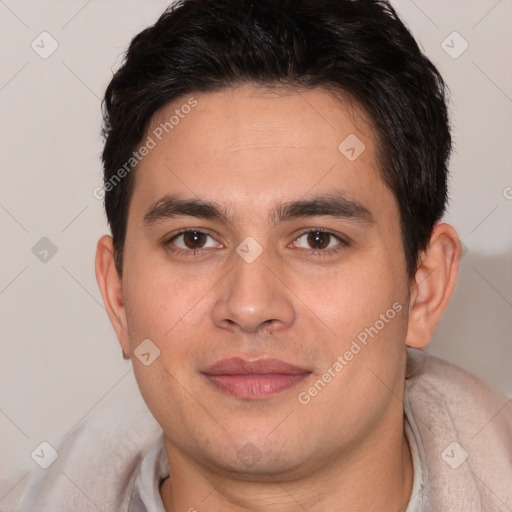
255,386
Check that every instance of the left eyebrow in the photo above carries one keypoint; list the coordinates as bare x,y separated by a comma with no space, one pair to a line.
335,205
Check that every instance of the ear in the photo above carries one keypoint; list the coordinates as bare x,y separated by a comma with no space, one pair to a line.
110,285
433,284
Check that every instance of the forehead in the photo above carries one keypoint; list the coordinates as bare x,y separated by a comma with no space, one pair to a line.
250,144
250,117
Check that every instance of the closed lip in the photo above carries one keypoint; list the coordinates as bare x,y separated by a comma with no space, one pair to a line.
265,366
256,379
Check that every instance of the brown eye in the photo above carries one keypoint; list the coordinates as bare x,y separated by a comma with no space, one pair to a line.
319,239
194,239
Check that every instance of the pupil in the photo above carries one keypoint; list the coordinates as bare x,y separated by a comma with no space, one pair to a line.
318,240
194,240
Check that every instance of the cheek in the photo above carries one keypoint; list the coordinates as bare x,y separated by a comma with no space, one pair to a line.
165,309
367,312
353,296
158,299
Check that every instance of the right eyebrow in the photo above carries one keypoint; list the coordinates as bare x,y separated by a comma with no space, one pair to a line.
171,206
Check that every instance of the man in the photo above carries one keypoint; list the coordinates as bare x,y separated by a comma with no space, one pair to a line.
275,176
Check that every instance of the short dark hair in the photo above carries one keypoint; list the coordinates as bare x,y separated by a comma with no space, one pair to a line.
357,47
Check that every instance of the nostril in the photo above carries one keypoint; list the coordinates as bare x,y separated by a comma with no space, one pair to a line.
268,326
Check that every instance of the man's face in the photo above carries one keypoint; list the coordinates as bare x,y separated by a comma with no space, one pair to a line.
295,254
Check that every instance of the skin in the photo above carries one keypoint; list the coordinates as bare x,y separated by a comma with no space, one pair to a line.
248,151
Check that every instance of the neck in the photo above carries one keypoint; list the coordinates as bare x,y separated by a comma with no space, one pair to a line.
376,475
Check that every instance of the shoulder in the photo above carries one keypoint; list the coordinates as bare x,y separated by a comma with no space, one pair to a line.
98,461
465,427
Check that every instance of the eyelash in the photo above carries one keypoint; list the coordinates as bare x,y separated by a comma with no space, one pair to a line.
343,243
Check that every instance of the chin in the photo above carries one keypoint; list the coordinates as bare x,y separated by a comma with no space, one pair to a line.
262,459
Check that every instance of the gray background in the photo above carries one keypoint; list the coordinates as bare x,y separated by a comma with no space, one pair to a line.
59,355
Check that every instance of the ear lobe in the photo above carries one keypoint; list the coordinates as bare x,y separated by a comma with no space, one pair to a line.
433,284
110,285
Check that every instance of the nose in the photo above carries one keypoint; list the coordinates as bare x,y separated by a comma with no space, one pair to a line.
253,299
